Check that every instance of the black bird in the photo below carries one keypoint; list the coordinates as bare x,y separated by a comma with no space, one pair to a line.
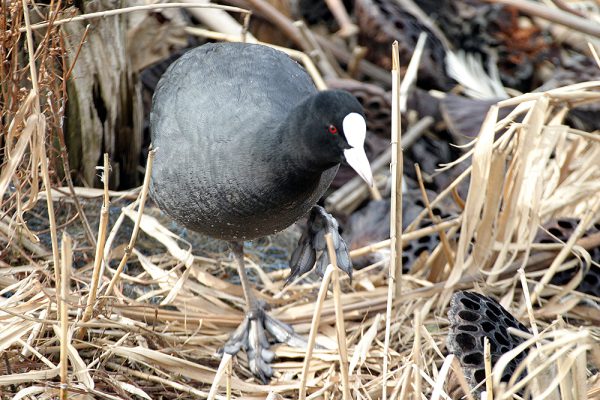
246,146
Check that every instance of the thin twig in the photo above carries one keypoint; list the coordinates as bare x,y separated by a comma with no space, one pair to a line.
438,388
340,326
565,7
75,58
358,54
417,353
98,259
147,7
347,28
460,377
40,138
245,27
315,51
228,380
67,261
394,276
584,223
163,381
281,21
314,327
594,54
61,136
424,19
406,237
554,15
435,219
136,228
31,52
224,366
344,56
487,357
17,152
410,77
396,167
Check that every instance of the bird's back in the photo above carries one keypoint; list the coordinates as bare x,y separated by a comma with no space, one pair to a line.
214,119
224,89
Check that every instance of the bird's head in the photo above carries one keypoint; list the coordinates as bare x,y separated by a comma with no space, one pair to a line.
337,127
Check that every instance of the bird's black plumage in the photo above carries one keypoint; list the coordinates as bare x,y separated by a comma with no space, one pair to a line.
243,148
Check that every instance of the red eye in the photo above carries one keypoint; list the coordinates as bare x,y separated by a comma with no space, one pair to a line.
332,129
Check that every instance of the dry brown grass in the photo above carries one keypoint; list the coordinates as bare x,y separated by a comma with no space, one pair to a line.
121,345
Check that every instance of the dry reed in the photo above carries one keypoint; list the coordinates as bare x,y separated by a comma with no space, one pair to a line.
521,174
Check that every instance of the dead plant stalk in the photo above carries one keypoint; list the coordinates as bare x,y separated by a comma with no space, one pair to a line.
147,7
314,327
395,267
339,319
67,261
136,228
40,139
99,249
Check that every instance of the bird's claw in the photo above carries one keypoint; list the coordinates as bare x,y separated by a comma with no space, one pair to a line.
251,336
312,242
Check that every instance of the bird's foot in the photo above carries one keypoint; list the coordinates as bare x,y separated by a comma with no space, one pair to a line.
251,336
312,244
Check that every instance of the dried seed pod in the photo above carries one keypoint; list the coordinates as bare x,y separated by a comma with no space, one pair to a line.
376,102
562,229
383,21
497,32
474,316
570,69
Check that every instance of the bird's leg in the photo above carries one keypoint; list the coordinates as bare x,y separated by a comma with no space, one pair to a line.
312,244
251,334
238,253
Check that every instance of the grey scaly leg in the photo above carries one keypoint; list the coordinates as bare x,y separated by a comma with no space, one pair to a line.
251,333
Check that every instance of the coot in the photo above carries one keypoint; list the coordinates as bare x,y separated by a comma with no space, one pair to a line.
246,146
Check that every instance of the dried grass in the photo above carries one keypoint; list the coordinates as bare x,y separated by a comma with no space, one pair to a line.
521,175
